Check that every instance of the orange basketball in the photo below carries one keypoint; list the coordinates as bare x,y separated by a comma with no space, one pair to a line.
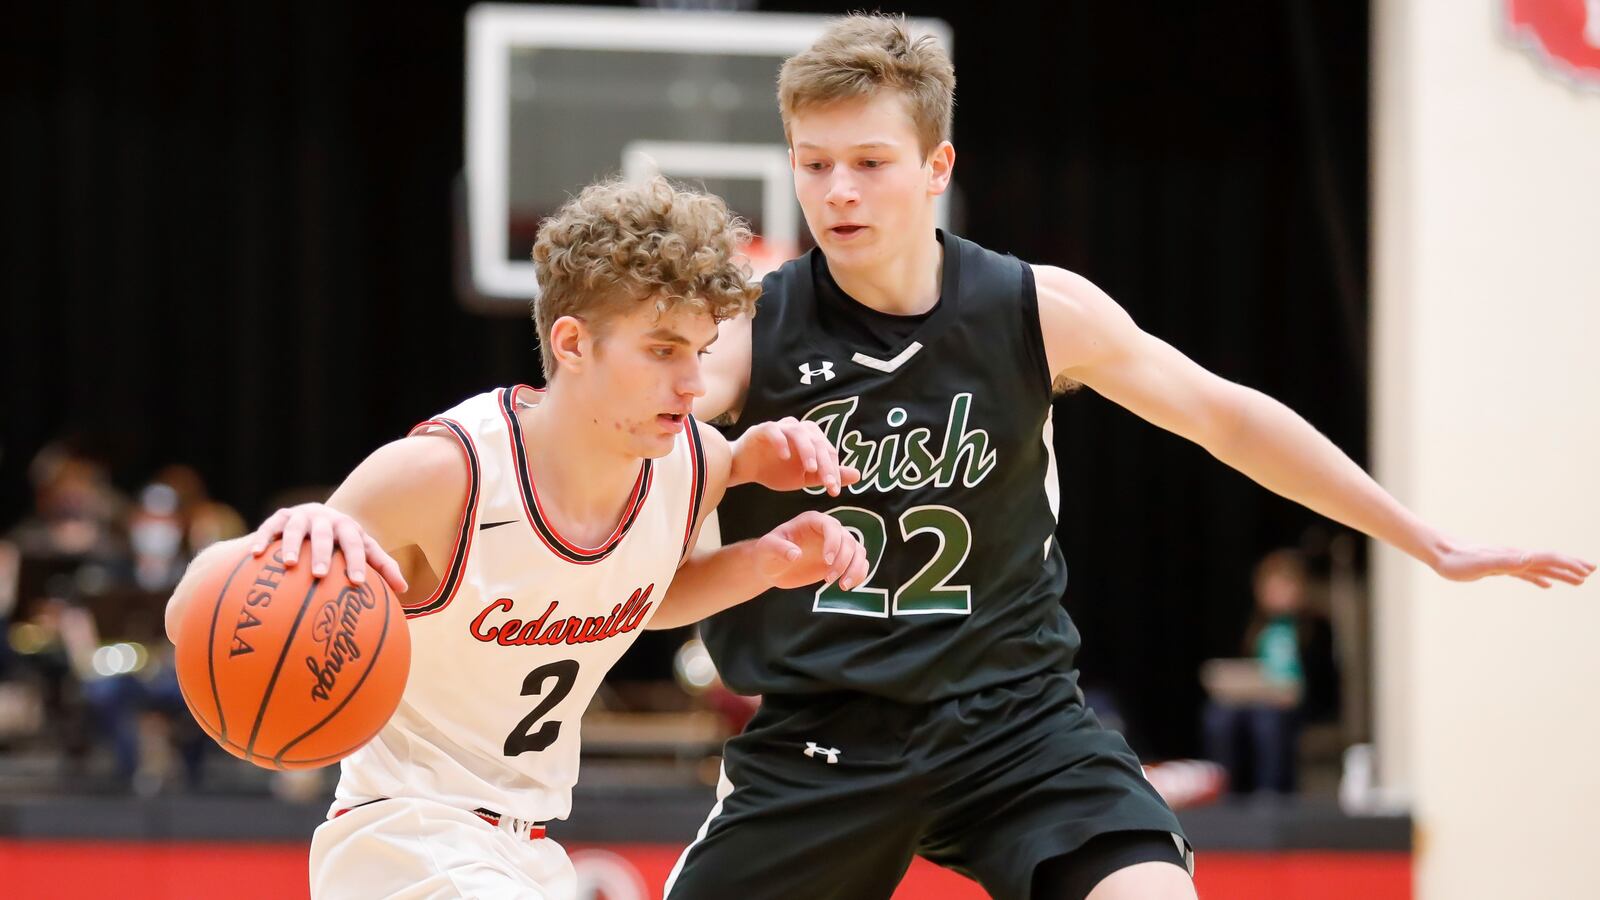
288,671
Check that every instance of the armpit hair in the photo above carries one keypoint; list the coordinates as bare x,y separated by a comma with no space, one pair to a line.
1063,386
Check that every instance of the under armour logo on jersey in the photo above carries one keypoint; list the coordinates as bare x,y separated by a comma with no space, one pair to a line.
812,750
824,369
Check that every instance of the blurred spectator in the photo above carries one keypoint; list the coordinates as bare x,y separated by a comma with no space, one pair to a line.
71,542
10,570
75,509
120,696
142,713
19,707
87,565
57,643
155,534
173,521
1258,704
204,521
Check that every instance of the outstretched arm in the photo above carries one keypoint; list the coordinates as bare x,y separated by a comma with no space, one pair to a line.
1092,340
809,548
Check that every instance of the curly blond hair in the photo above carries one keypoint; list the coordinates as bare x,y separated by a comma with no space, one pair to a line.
864,53
620,243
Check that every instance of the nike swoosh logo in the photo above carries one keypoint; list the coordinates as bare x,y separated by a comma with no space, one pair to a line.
485,526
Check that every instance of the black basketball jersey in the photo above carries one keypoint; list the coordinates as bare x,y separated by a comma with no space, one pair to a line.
948,418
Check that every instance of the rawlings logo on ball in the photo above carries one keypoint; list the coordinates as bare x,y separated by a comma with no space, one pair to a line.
334,628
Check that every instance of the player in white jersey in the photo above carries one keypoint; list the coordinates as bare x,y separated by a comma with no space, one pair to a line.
532,534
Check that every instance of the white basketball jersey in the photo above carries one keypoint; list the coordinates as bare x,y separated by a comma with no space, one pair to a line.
524,625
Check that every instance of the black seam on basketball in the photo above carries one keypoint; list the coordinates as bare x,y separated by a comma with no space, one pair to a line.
192,711
211,647
310,762
224,743
272,683
372,662
458,560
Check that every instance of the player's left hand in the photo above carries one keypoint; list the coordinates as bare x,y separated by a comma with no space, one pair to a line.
809,548
788,455
1470,562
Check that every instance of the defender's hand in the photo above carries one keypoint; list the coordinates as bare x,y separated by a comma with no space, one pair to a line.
788,455
1469,562
809,548
326,525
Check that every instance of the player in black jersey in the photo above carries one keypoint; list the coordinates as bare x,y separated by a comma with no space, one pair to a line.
932,709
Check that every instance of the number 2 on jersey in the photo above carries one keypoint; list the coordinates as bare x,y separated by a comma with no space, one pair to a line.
927,592
523,739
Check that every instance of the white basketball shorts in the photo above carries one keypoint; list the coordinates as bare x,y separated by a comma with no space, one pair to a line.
407,849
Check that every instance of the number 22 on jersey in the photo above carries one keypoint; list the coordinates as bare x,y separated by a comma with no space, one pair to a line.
929,591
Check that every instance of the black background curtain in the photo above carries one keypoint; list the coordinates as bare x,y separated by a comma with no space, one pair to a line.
226,239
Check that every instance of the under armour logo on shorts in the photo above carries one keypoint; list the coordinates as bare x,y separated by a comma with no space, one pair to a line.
812,750
824,369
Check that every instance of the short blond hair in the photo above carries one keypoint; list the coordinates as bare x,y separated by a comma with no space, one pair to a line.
865,53
620,243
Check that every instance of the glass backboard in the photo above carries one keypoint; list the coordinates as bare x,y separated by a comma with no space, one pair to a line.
559,96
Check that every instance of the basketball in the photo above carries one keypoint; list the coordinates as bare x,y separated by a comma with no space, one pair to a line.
289,671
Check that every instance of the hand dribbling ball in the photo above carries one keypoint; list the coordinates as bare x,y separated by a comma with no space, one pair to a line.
286,670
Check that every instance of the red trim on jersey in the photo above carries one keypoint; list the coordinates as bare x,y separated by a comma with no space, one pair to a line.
697,471
641,488
536,830
455,573
541,524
